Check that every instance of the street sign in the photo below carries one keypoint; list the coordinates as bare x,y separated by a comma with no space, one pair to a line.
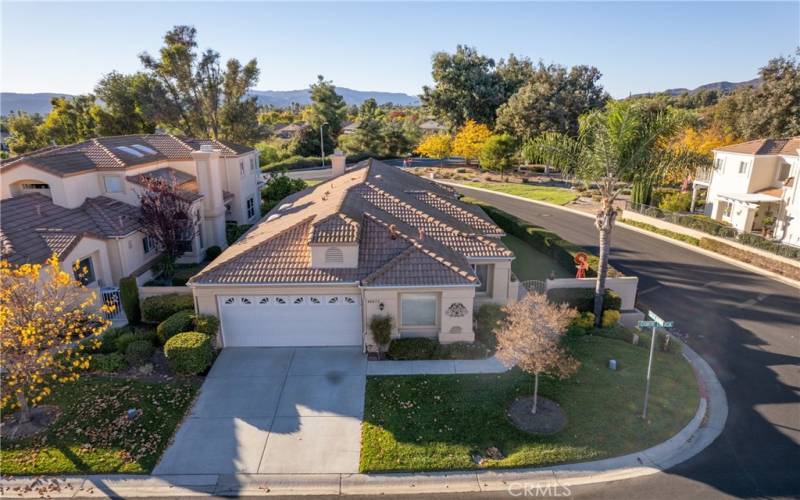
646,324
655,321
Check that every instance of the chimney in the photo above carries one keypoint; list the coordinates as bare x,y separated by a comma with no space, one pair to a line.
338,160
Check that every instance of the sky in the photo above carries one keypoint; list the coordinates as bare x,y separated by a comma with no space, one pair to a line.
638,46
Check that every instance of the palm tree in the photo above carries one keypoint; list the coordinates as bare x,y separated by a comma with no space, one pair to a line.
624,143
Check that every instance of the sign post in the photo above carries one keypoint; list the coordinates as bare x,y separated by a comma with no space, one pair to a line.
655,321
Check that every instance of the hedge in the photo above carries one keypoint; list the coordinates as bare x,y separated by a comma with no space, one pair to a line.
412,348
213,252
755,259
139,352
582,299
189,353
181,321
756,241
160,307
129,296
545,241
108,340
205,323
663,232
487,319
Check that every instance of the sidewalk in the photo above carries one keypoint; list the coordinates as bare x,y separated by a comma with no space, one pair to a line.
702,430
435,367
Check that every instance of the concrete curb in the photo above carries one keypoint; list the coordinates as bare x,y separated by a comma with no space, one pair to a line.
706,425
703,251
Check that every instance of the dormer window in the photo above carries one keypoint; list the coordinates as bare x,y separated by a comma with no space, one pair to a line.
334,255
742,167
112,183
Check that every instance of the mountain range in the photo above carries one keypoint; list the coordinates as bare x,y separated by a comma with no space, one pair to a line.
40,102
722,87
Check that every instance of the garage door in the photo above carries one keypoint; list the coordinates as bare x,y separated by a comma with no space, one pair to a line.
291,320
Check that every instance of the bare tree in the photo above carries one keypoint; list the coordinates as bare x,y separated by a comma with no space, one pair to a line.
167,218
530,339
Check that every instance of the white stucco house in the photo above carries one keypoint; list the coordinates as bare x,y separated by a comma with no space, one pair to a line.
372,240
80,201
752,181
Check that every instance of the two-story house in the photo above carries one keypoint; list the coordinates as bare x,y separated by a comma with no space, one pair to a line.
754,186
81,203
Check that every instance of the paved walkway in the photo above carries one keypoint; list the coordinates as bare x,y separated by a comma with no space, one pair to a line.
435,367
274,411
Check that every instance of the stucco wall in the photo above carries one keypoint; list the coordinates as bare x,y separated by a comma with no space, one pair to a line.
625,286
97,249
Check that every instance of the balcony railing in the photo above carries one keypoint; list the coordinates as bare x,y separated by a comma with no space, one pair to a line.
703,175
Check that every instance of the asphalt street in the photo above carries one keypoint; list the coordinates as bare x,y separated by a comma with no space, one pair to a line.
745,325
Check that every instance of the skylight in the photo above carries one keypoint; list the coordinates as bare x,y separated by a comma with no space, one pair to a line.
144,149
130,151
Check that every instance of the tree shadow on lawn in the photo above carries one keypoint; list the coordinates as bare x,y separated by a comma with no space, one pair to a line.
437,422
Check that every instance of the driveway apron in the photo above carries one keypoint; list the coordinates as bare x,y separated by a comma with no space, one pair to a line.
274,410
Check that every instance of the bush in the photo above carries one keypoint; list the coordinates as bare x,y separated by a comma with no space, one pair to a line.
129,296
585,320
658,195
676,202
705,224
205,323
160,307
108,340
756,241
139,352
582,299
189,353
412,348
775,266
181,321
148,334
381,329
213,252
233,232
610,318
124,340
108,363
461,350
487,319
663,232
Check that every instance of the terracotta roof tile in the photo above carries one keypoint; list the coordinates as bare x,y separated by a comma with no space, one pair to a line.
336,228
765,147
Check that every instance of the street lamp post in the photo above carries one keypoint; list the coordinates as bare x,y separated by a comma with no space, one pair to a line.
322,144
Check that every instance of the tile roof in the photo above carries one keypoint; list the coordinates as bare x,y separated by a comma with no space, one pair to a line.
118,152
373,204
186,183
33,227
765,147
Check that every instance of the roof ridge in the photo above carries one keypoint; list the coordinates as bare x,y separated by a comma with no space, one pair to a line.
102,146
181,142
98,211
460,210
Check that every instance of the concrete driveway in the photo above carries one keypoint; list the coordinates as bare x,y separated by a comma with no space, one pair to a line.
274,410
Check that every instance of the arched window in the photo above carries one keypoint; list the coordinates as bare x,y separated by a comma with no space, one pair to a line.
334,255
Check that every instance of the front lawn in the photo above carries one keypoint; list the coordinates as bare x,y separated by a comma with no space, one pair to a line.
94,435
438,422
547,194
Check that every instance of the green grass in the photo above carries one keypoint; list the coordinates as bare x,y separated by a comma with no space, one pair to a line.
530,264
314,182
185,271
547,194
436,422
93,434
663,232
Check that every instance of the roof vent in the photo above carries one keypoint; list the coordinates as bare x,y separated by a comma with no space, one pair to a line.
393,231
206,148
39,210
421,234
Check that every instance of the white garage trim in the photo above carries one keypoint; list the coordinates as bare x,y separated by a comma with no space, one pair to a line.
291,320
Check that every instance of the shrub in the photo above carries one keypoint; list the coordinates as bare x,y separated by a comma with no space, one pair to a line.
189,352
108,363
205,323
461,350
756,241
585,320
160,307
576,330
233,232
108,341
705,224
412,348
124,340
761,261
381,329
213,252
658,195
148,334
664,232
610,318
582,299
461,170
487,318
676,202
129,296
139,352
181,321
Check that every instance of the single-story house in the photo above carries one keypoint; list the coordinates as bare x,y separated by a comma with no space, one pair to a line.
373,240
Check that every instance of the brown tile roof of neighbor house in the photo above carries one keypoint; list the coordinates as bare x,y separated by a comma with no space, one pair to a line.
402,240
33,227
185,183
777,192
118,152
765,147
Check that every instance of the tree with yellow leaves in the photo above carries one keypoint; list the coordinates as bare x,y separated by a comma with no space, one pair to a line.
701,143
469,141
436,146
45,314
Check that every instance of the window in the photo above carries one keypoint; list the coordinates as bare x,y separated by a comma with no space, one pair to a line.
251,207
241,167
252,164
742,167
718,164
334,255
35,186
726,210
85,271
147,244
112,183
418,310
783,171
482,271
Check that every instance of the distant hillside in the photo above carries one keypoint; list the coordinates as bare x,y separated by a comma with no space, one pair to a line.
40,102
29,103
284,98
723,87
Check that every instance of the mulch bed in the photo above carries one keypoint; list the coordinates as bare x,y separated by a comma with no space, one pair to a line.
548,419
